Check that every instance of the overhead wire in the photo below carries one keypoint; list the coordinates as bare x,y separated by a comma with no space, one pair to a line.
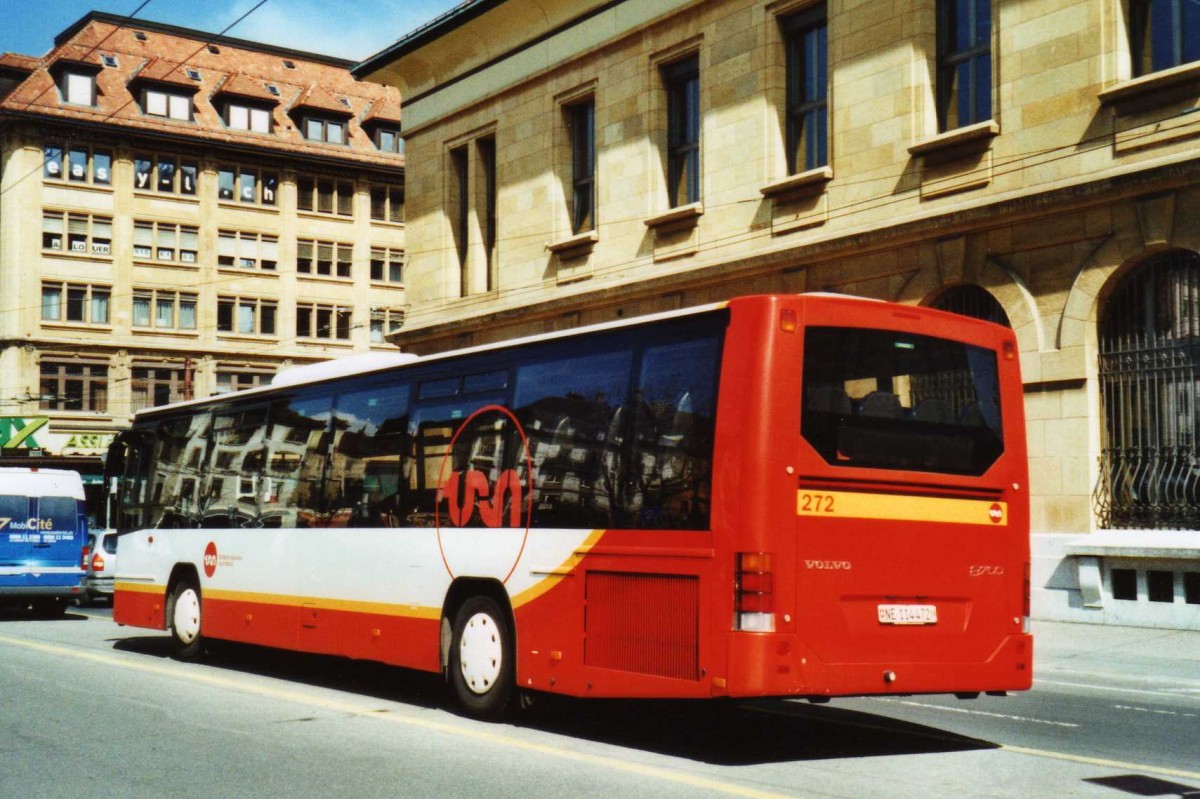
518,291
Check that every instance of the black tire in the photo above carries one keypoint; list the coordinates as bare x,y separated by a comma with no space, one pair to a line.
184,620
53,608
482,659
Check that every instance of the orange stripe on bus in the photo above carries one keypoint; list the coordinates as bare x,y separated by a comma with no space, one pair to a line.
900,507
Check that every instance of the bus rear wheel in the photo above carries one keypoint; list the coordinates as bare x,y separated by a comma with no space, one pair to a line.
481,659
185,620
54,608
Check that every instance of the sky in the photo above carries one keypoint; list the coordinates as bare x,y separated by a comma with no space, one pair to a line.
351,29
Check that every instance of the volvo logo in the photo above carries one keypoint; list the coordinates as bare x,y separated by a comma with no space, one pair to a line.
828,565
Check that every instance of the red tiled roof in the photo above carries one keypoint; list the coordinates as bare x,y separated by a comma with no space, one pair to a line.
318,99
241,85
386,110
237,68
23,63
160,70
76,54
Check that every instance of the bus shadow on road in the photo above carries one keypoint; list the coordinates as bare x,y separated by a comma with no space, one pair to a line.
742,733
719,732
12,614
362,677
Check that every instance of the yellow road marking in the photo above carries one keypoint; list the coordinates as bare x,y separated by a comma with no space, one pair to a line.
502,740
398,717
1099,761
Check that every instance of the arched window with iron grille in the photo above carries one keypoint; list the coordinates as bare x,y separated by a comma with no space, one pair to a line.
971,300
1150,384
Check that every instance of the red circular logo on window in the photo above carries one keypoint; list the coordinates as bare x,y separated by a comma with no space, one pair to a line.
210,559
996,513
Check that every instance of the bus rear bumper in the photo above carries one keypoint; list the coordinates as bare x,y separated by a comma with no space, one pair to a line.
777,665
13,593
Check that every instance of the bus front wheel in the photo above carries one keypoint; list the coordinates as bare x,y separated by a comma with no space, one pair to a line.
185,620
481,658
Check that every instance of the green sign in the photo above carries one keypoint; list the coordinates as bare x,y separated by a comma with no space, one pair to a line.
17,432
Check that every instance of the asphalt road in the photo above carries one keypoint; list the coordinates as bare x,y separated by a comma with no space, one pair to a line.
89,709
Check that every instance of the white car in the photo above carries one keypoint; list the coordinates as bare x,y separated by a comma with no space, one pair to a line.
101,565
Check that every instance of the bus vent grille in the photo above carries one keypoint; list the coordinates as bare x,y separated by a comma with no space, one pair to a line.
643,623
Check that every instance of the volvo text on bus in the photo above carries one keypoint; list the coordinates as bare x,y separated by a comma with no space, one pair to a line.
805,495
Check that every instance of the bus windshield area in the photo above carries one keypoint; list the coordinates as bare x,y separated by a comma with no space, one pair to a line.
889,400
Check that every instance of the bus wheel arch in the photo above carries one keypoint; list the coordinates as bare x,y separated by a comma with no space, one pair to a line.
478,638
183,612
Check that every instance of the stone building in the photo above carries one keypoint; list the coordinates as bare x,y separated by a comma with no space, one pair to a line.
1031,163
182,214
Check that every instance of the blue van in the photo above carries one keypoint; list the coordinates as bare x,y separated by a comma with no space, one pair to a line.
43,539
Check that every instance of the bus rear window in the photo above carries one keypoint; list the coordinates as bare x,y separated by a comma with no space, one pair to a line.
887,400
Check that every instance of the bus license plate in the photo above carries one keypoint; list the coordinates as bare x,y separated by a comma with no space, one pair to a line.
908,614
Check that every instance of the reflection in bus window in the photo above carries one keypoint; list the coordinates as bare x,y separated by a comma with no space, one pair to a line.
231,480
479,448
884,400
364,471
292,488
566,407
669,469
179,447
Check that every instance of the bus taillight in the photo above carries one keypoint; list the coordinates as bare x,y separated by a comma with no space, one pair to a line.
1026,601
754,593
84,559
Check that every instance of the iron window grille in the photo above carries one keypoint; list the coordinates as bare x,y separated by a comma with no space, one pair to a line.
1150,384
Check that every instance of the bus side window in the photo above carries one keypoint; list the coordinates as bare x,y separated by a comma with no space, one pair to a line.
667,483
482,446
571,411
137,446
230,488
363,484
292,488
179,446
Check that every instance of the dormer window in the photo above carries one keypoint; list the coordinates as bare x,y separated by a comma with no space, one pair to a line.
109,60
242,116
382,124
330,131
389,140
246,104
161,102
78,87
322,117
194,74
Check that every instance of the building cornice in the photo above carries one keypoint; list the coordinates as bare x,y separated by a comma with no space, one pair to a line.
110,129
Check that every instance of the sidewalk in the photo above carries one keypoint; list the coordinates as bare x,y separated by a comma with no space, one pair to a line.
1123,653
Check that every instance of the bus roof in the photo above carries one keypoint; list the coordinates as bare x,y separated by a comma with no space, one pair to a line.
329,370
370,363
36,482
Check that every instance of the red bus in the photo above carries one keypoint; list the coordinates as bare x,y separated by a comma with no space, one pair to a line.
800,495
